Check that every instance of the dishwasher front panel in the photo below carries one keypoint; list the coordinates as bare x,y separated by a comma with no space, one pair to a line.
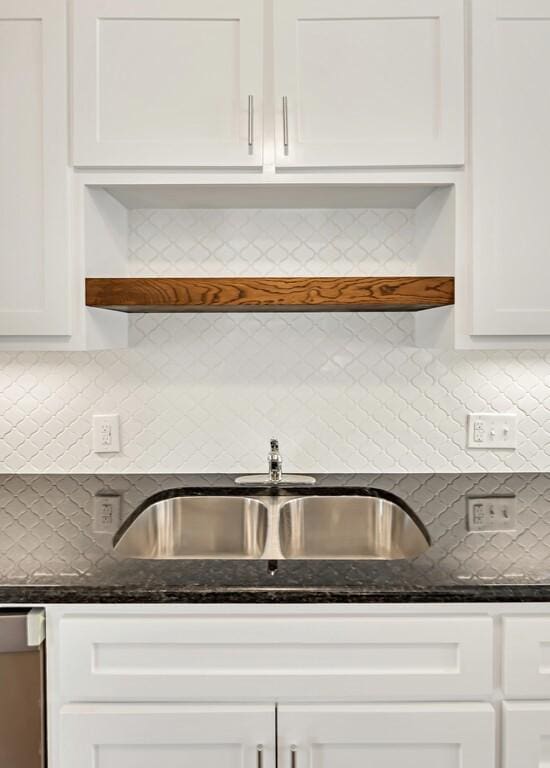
22,699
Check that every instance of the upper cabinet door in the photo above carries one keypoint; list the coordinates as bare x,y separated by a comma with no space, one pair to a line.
369,82
34,257
167,83
511,167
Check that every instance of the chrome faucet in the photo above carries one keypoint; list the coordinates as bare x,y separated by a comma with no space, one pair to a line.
275,463
275,472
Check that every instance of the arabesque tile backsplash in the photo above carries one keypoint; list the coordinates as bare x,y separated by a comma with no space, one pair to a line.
203,393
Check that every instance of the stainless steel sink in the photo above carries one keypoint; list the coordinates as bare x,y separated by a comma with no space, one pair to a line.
220,527
349,527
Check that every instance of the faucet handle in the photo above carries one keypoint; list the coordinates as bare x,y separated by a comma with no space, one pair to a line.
274,446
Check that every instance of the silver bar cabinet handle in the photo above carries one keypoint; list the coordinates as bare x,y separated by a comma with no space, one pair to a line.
285,122
260,753
251,121
293,756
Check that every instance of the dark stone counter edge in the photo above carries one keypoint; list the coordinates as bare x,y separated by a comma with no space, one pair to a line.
37,595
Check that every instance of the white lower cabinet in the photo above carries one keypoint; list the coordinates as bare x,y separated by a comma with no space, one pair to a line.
439,735
298,686
526,735
167,736
386,736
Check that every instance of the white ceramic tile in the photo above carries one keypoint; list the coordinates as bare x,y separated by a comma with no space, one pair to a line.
204,393
271,242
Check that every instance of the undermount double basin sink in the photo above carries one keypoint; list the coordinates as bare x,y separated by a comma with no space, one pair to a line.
315,527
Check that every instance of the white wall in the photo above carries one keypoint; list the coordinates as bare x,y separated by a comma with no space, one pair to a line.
204,393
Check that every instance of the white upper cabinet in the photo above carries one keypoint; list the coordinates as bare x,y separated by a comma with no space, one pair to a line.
369,82
34,257
511,167
167,83
179,83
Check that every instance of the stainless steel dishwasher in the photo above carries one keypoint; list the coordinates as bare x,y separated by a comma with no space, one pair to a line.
22,689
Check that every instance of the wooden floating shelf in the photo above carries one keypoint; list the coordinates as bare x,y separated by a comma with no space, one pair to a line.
269,294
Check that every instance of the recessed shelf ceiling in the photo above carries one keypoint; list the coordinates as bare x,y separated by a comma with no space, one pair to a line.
278,195
269,294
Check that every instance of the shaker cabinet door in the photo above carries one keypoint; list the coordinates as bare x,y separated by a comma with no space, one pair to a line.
34,231
167,82
369,82
167,736
526,730
386,736
511,167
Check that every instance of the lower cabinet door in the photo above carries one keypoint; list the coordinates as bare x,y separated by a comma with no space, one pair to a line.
527,735
167,736
386,736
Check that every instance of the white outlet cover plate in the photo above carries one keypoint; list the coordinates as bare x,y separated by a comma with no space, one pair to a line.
106,433
492,514
492,430
106,514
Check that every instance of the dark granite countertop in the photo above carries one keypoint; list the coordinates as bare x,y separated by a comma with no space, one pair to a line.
41,594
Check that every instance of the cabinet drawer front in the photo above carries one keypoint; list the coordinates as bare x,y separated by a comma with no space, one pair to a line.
526,651
287,657
386,736
137,736
526,735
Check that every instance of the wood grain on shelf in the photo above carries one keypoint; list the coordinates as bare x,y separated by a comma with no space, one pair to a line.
269,294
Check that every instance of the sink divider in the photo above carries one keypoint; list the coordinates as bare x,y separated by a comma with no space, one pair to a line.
272,549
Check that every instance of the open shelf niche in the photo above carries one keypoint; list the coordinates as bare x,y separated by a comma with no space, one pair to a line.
111,286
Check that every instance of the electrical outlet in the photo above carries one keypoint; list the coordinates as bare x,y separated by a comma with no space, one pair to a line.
106,513
106,433
492,430
492,513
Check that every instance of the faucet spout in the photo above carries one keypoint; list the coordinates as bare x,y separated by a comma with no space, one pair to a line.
275,462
